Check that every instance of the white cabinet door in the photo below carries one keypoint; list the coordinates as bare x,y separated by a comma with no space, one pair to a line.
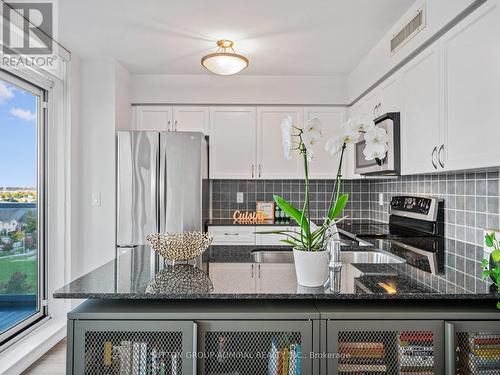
471,130
420,114
371,104
349,157
233,234
272,164
153,117
325,166
276,278
390,95
232,142
191,119
232,277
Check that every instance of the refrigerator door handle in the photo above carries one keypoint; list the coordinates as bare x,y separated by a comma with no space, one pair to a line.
162,185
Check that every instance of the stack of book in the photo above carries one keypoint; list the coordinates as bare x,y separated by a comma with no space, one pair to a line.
284,359
416,353
364,357
132,358
480,354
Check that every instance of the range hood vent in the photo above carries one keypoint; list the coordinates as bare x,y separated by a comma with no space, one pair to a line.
411,29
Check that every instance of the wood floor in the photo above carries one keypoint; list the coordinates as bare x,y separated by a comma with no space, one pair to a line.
51,363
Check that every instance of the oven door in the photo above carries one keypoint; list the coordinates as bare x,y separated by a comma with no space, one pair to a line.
391,164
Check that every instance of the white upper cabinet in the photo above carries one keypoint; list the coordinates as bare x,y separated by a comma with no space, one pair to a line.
325,166
390,93
471,130
191,119
172,118
420,113
232,142
153,117
271,161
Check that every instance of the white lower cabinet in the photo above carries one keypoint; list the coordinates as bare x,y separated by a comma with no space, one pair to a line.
253,277
232,277
271,239
276,278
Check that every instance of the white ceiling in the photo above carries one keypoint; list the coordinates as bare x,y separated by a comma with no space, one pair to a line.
280,37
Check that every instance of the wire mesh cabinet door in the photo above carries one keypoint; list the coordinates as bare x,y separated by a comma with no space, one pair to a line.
472,347
255,347
134,347
385,347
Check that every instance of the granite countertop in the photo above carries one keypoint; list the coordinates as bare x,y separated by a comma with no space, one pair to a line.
138,274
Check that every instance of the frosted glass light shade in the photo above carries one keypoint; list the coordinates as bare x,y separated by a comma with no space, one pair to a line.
224,63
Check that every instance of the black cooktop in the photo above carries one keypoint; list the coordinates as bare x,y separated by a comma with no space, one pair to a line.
374,229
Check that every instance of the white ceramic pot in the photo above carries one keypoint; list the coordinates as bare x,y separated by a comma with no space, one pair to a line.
311,267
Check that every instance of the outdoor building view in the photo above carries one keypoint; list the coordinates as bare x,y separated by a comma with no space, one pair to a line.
18,206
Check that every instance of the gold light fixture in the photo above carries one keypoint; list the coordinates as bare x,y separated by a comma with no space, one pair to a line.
225,61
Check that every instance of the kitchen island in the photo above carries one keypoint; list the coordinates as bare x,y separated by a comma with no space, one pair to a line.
233,309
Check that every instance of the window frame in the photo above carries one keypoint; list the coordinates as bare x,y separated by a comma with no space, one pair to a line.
16,330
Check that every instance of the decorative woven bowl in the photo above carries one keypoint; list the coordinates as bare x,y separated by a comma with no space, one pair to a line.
179,246
180,279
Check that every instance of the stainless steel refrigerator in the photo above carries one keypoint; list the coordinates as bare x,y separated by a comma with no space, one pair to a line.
162,184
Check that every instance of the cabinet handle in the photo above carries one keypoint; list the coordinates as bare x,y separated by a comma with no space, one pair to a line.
231,234
433,157
252,270
379,108
168,125
449,347
258,267
441,149
253,171
375,112
175,125
260,170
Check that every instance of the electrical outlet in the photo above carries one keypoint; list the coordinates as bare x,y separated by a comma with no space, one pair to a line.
381,199
239,197
96,199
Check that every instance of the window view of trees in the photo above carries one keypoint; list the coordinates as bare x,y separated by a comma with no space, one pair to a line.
18,206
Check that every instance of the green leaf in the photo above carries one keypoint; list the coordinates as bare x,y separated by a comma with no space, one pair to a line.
485,263
495,255
339,206
486,274
498,305
490,239
291,243
293,213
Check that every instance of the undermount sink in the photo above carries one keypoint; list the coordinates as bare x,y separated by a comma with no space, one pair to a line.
370,257
272,256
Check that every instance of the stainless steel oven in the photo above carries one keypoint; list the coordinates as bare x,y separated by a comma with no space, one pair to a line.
391,164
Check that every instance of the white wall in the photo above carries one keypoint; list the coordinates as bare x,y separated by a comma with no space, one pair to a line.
380,60
122,88
238,89
93,167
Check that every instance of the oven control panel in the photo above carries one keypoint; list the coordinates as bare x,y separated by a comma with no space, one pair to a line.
417,207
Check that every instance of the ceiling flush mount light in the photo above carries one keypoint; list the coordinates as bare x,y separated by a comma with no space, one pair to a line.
225,61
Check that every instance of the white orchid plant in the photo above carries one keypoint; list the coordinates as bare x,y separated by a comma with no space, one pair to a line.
303,140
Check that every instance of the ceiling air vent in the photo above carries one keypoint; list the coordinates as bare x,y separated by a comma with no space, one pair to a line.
411,29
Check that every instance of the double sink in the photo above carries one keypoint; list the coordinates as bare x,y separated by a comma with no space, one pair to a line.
366,257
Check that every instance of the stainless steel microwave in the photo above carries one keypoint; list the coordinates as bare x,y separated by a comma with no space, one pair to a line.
392,163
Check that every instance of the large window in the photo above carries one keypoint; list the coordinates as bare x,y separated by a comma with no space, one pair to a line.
22,277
